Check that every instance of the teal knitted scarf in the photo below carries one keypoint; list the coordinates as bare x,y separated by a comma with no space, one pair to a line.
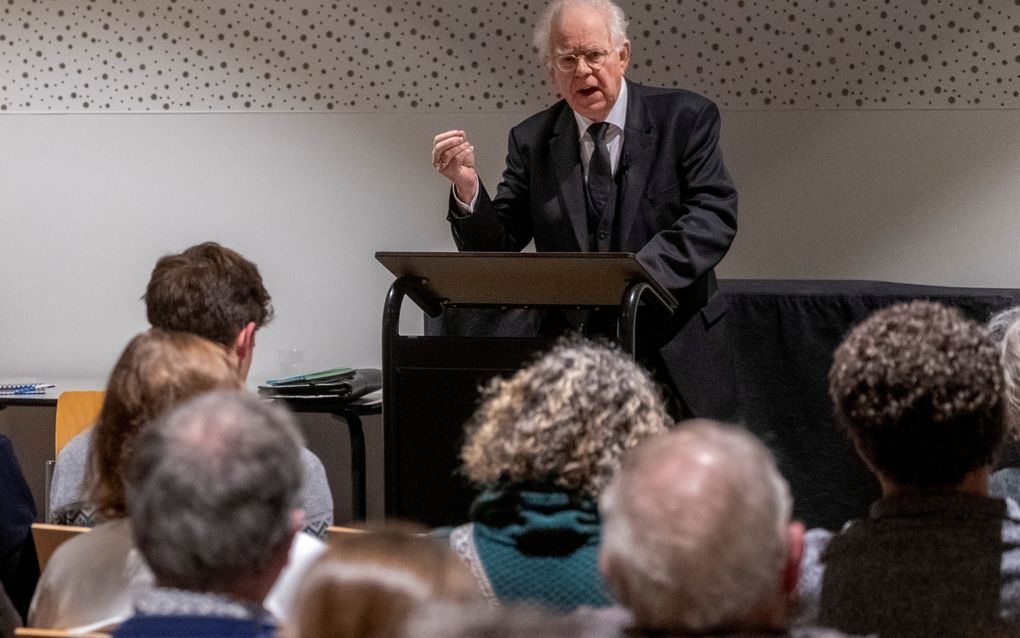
540,544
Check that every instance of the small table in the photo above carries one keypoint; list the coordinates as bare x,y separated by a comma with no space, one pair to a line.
350,412
49,397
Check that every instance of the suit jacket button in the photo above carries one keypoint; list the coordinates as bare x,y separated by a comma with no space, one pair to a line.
603,234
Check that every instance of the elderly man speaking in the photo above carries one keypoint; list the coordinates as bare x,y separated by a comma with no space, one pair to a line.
614,166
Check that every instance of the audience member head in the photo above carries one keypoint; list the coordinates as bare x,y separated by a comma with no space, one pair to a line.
697,536
370,583
918,387
157,370
211,291
566,420
1005,328
213,492
504,621
1000,322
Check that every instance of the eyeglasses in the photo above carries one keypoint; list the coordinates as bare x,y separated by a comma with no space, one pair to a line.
594,58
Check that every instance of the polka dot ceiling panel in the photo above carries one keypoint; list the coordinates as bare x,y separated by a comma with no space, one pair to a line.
193,56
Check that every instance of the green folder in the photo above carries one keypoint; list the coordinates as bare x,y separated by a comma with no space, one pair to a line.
323,376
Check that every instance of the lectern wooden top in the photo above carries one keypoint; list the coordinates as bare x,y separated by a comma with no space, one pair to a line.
524,279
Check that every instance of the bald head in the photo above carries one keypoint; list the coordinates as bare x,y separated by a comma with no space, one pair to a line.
697,532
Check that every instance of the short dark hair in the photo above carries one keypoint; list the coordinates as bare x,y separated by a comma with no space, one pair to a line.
918,386
208,290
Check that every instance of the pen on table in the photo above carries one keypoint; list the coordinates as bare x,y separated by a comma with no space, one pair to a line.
30,388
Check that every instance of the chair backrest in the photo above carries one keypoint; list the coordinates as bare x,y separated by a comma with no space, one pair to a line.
54,633
49,537
76,411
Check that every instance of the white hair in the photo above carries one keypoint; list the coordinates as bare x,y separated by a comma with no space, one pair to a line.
616,22
1010,359
695,529
1001,321
1004,326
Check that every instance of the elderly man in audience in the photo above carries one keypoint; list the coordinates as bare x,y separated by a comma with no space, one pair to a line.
919,389
213,292
542,446
1005,329
697,537
213,500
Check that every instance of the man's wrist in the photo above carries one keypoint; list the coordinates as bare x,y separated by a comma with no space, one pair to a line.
465,193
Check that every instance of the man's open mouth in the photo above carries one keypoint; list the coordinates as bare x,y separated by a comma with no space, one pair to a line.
588,92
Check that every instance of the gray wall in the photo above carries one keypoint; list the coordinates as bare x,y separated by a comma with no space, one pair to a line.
866,140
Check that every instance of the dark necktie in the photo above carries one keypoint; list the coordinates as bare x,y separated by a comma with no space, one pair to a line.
600,172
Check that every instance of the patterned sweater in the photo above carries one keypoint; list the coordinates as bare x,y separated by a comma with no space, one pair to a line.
534,543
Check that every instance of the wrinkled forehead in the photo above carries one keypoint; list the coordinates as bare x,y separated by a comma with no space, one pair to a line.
578,29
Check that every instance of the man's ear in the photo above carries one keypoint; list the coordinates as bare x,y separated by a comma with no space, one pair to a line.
244,345
794,554
625,54
245,341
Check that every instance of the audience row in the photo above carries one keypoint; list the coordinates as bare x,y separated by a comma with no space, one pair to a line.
596,515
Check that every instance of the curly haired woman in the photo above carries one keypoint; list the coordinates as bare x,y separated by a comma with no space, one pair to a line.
542,446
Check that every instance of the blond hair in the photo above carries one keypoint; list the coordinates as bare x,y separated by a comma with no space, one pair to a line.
157,370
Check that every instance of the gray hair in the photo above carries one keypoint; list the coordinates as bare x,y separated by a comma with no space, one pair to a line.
211,489
1001,321
695,529
616,22
1010,358
1004,327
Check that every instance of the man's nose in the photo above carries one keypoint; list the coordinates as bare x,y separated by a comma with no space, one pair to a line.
586,70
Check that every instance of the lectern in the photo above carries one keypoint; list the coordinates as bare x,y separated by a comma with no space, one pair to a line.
431,383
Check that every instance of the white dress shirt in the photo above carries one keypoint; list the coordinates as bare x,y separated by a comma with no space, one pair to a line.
617,117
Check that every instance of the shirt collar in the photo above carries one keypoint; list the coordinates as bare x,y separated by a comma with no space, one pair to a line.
617,115
167,601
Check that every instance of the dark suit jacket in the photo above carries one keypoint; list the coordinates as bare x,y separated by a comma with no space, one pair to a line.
677,211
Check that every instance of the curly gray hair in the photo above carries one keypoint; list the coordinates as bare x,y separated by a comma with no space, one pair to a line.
567,419
616,22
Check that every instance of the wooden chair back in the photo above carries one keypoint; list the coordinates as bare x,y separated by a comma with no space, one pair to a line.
54,633
49,537
76,411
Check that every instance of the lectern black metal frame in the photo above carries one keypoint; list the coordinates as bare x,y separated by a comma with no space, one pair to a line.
431,383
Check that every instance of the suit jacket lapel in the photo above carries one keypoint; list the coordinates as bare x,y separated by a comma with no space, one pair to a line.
567,176
636,159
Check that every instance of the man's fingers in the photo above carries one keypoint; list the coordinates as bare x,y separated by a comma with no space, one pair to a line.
446,135
445,143
448,155
465,156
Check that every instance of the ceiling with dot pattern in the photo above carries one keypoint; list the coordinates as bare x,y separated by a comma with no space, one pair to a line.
437,55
